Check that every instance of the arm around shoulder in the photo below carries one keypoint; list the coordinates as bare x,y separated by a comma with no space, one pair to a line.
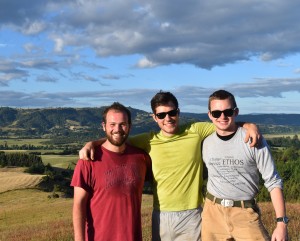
253,134
88,151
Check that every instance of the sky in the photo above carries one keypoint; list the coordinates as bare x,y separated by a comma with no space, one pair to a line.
87,53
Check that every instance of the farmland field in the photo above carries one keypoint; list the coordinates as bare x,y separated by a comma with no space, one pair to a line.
270,136
29,214
15,178
19,141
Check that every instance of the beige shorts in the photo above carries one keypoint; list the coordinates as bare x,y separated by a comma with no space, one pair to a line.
232,223
176,226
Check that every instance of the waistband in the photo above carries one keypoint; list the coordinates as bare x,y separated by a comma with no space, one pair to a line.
231,203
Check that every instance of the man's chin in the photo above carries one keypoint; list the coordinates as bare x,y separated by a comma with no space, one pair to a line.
117,142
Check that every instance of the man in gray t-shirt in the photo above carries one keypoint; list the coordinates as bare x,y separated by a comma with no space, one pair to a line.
230,210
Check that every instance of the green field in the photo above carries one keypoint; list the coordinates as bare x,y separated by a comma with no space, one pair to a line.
62,161
18,141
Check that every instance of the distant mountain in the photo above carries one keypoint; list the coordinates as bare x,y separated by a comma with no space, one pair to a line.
264,119
85,122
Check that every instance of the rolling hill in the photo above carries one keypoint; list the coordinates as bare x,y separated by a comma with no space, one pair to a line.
85,122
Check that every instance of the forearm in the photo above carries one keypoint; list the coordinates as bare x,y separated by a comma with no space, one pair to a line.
79,213
247,125
88,151
79,219
98,142
280,232
278,202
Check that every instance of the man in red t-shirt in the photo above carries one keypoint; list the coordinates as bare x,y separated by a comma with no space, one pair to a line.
108,190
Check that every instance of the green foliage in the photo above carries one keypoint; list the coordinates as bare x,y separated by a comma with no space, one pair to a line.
285,142
19,159
7,115
287,162
57,180
38,168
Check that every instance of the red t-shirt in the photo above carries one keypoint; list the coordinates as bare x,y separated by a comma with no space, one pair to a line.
115,183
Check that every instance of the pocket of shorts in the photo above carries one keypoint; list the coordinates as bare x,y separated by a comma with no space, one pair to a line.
256,209
253,212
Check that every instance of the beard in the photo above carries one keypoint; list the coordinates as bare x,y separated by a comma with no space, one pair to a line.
117,138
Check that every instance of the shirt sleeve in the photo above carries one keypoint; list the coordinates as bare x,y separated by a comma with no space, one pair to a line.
266,166
82,175
141,141
204,129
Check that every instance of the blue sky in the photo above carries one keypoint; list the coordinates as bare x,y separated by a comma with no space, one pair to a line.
86,53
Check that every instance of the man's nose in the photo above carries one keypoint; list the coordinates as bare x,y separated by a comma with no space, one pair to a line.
118,127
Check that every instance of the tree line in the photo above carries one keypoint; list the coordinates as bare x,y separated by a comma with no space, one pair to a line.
20,159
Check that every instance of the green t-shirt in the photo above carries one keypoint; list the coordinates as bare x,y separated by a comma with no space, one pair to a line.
177,165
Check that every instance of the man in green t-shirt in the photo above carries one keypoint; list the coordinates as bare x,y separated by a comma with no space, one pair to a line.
177,169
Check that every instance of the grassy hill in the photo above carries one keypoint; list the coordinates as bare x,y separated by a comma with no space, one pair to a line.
84,123
28,215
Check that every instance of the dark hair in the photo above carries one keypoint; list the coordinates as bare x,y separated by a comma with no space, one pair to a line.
163,98
118,108
222,95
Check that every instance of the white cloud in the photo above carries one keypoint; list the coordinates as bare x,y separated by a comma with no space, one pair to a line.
95,42
207,33
297,71
194,97
59,44
145,63
33,28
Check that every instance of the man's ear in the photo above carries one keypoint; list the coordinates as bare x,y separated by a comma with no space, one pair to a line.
103,126
210,116
178,111
154,117
236,111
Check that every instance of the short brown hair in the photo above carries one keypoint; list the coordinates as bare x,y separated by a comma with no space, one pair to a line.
163,98
222,95
119,108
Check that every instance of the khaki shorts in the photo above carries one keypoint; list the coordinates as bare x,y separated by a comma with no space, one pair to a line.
176,226
232,223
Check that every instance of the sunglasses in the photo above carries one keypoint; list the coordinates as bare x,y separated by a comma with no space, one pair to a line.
162,115
227,112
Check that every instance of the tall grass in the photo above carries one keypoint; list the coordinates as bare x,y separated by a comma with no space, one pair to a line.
293,212
28,215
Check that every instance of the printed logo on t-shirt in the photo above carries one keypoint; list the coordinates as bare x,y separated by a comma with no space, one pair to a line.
124,177
228,169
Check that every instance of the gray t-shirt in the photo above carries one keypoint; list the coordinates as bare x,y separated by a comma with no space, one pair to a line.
234,167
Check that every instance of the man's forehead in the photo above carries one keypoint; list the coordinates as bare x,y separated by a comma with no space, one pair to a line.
116,113
169,104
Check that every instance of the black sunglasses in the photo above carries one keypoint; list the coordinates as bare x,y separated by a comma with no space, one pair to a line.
162,115
227,112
